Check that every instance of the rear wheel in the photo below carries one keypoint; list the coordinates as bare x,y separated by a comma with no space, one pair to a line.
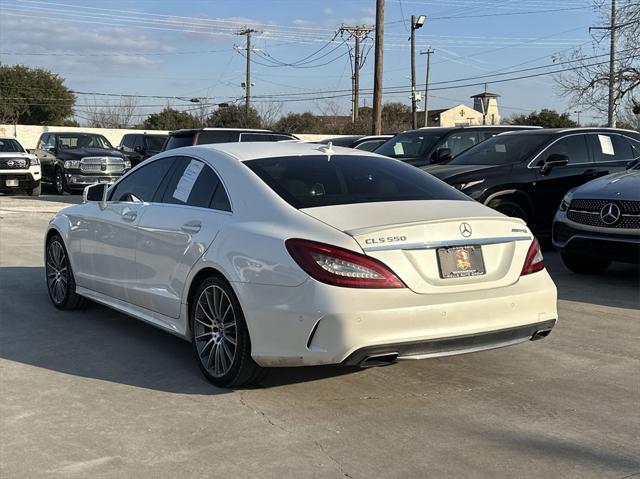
509,208
582,264
60,281
220,337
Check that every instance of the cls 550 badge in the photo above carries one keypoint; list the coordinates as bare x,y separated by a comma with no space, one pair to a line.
385,239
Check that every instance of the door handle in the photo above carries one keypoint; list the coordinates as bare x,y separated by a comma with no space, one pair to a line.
129,215
590,172
191,226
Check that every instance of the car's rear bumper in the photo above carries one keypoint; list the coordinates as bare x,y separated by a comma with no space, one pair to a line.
613,244
316,323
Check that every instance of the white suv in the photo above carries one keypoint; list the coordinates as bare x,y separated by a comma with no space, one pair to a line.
19,170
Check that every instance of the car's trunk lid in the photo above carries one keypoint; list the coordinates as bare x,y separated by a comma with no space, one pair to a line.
406,237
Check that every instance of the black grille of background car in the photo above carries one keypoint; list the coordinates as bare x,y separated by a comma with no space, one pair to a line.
14,164
587,212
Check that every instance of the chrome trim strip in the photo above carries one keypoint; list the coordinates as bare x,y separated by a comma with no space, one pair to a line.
448,243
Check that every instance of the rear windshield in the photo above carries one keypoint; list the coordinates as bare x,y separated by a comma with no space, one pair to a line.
309,181
501,150
9,145
176,141
413,144
244,137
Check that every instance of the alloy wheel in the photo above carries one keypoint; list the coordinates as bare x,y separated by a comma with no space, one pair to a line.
57,272
215,331
59,182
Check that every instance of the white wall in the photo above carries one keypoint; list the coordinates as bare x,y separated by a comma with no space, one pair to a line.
28,135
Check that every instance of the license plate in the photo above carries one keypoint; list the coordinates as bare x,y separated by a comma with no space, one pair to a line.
12,182
460,261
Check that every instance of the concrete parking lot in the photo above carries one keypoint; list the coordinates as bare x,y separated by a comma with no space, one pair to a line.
95,394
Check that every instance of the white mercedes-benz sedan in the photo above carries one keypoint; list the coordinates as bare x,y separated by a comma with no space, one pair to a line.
293,254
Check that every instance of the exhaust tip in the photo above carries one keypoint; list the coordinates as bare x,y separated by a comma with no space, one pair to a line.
379,360
543,333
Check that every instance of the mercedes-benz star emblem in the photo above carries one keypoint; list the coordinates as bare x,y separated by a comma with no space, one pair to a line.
610,213
465,230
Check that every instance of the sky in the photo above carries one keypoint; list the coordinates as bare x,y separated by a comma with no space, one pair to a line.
169,51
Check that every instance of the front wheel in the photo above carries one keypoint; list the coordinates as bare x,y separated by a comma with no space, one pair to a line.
35,191
61,283
220,337
584,264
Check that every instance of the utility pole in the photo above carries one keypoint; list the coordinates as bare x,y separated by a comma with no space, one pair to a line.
611,107
428,52
577,112
247,83
611,118
359,33
376,121
415,24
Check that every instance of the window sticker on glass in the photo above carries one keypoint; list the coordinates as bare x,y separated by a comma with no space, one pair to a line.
501,148
188,179
606,145
397,149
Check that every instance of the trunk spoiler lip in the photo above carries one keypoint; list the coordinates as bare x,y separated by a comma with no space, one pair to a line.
448,243
380,228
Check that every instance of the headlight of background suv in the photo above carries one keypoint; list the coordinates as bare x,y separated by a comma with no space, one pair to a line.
34,161
127,164
72,164
566,201
464,186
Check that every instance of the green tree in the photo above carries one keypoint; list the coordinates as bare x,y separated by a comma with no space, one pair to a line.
546,118
33,96
170,119
298,123
234,116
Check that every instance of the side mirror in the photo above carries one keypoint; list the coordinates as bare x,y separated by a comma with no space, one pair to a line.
441,155
50,149
96,192
119,148
138,149
553,161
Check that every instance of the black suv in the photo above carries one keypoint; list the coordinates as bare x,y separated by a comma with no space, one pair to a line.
526,173
438,145
71,160
204,136
137,147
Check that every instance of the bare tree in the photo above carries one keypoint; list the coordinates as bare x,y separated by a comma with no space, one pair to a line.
117,115
627,118
588,82
270,112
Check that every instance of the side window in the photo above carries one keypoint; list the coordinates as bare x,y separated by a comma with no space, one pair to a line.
459,142
573,147
486,134
141,185
138,142
220,199
207,137
613,148
126,142
42,141
369,145
635,148
193,183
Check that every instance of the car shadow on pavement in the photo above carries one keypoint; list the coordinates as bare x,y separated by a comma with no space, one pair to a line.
95,343
618,286
100,343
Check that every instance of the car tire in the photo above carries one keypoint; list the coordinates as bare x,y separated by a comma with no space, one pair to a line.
61,283
219,335
35,191
584,264
59,182
509,208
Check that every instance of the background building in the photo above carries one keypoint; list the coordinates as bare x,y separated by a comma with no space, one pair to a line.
484,112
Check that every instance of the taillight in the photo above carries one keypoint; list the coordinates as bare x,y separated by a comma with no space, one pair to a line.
341,267
534,261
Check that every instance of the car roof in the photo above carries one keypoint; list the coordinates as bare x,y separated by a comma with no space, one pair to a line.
269,149
560,131
187,131
446,129
8,137
71,133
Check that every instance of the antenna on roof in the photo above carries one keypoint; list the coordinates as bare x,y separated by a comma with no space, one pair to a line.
327,149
